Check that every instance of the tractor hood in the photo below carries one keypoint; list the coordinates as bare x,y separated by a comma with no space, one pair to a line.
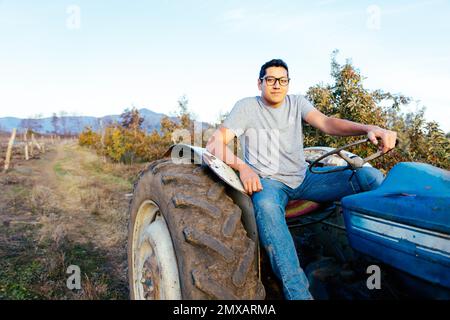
405,222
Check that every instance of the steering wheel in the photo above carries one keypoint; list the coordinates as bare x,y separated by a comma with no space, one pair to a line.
352,163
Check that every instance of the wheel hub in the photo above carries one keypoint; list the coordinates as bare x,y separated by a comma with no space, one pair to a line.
150,278
154,267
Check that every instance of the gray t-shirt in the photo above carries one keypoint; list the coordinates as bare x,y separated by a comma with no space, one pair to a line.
272,138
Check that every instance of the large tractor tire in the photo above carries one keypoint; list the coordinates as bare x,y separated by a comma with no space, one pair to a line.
186,239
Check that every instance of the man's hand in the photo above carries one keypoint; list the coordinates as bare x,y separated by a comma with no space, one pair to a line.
249,179
217,145
388,138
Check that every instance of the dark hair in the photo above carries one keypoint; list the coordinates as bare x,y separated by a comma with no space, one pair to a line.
272,63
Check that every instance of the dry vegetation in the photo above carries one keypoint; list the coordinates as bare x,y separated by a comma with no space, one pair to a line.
68,207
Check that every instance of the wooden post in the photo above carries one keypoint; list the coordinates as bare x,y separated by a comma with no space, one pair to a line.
33,140
26,146
9,150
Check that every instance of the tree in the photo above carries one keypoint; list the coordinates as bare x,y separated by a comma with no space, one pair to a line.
63,121
24,124
55,123
89,138
348,99
184,114
131,119
183,106
345,99
32,123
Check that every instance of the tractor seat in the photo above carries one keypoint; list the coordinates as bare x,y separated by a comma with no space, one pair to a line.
296,208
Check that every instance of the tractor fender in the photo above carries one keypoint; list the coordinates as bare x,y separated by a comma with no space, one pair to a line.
184,153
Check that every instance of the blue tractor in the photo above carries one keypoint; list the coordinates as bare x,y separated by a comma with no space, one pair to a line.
193,235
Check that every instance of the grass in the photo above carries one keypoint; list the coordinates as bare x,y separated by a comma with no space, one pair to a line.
109,172
30,270
101,172
18,273
15,195
41,200
60,167
59,170
106,172
20,190
17,283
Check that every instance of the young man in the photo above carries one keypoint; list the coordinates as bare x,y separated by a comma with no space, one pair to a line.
274,170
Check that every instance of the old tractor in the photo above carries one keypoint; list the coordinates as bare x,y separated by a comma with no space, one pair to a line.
193,235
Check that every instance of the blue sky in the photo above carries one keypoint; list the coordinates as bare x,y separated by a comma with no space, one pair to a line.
115,54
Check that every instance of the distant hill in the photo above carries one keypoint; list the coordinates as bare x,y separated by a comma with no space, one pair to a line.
75,124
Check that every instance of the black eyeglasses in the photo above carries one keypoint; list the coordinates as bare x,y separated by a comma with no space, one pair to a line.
283,81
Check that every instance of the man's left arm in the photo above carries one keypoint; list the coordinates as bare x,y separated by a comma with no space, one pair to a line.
340,127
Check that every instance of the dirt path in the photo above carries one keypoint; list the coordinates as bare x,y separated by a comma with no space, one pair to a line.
92,203
68,207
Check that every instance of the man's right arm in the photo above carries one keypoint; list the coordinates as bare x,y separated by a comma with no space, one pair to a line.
217,145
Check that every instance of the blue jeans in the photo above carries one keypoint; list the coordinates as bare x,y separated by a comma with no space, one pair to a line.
270,203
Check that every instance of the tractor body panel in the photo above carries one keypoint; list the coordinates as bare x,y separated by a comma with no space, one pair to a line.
405,223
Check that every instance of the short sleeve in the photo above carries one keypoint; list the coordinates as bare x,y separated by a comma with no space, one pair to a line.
305,106
237,120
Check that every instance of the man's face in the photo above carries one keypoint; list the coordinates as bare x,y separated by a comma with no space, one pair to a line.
274,94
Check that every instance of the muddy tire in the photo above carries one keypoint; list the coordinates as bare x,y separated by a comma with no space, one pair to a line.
213,256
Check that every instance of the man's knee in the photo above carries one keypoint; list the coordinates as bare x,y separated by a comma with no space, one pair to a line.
267,205
269,209
369,178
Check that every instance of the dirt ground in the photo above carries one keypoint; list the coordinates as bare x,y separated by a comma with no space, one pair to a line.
65,207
